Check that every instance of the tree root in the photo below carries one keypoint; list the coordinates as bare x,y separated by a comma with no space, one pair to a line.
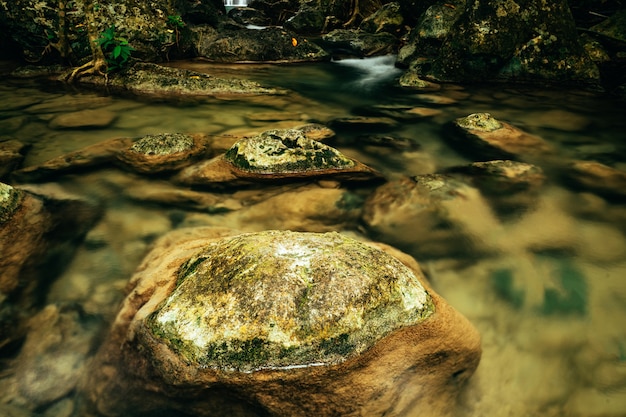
93,67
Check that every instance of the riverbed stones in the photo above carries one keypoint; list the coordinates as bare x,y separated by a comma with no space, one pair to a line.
286,154
484,137
163,152
280,323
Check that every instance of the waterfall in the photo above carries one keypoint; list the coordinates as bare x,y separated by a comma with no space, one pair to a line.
235,3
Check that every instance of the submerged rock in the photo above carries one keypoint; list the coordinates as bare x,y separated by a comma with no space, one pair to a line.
510,185
275,155
598,178
430,215
39,230
89,157
485,137
293,324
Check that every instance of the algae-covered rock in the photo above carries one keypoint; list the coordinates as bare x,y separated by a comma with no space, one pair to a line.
280,323
276,154
146,79
262,300
9,201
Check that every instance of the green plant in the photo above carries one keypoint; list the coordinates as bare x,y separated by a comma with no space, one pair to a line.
116,49
175,21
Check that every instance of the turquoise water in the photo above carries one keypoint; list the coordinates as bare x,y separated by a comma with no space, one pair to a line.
550,305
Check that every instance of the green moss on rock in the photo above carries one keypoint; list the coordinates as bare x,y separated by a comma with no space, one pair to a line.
10,199
163,144
483,122
281,299
283,151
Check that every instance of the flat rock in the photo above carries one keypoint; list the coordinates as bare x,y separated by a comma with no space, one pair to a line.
296,324
83,119
152,80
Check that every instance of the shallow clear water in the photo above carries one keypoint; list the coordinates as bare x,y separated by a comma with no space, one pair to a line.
540,356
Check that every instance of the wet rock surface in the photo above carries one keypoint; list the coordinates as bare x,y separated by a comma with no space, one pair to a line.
275,155
151,80
485,137
309,312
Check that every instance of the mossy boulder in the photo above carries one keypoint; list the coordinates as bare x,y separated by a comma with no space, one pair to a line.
294,299
220,323
529,40
280,154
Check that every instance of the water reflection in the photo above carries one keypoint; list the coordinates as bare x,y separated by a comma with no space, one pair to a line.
549,298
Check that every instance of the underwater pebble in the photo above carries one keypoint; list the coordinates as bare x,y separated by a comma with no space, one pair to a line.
83,119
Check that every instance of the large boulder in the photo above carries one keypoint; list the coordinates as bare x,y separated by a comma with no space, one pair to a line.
511,40
280,323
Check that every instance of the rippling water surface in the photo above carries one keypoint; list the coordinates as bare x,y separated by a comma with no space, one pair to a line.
550,307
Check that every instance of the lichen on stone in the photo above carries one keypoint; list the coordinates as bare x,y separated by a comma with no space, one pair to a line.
9,201
483,122
163,144
281,299
281,151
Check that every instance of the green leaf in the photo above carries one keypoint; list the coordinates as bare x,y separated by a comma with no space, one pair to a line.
116,51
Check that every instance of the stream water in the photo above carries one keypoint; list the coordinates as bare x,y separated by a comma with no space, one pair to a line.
538,358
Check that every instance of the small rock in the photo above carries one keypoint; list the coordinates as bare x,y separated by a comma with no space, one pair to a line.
163,152
363,123
484,137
